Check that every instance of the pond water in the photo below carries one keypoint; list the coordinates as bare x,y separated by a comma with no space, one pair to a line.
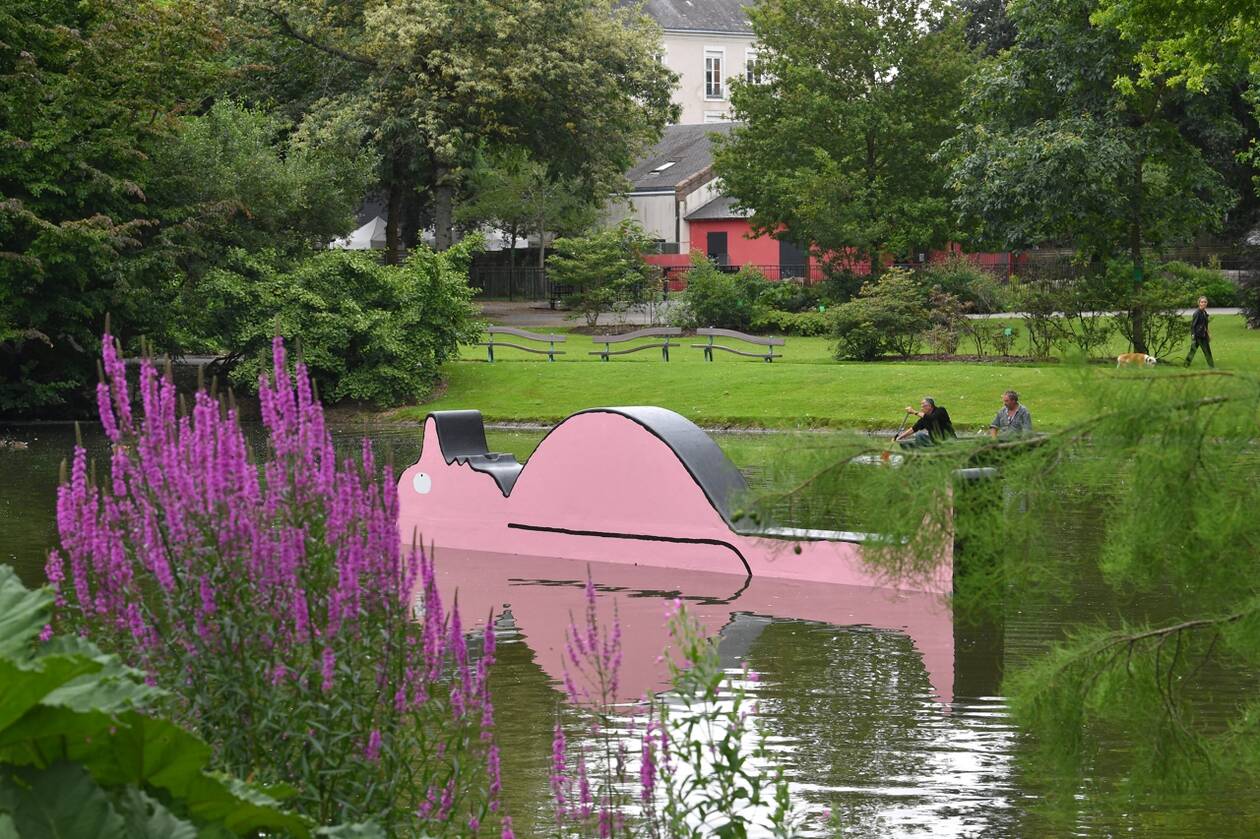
883,709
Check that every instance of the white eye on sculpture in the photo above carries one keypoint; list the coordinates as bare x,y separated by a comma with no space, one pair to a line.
422,483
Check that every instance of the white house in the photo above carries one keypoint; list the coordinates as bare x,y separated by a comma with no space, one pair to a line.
707,43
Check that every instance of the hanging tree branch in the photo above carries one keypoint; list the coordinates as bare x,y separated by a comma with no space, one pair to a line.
287,28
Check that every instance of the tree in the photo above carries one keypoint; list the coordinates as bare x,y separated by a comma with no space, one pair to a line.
1056,148
605,270
518,195
87,91
837,145
576,82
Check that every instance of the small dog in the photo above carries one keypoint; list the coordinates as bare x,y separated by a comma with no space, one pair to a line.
1125,358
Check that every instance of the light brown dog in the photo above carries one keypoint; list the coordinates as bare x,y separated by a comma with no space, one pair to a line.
1126,358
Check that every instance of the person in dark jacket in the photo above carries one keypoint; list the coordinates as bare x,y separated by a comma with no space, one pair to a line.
1199,336
933,425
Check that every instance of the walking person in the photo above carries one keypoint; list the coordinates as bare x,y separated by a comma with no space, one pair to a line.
1199,336
1012,418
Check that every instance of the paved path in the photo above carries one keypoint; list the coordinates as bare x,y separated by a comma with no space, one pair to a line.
539,314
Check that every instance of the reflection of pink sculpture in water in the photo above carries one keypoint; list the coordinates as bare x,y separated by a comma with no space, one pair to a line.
636,486
542,593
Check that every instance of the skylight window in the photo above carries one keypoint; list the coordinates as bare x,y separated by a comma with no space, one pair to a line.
665,166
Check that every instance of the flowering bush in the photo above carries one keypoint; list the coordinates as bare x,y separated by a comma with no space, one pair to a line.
684,769
273,601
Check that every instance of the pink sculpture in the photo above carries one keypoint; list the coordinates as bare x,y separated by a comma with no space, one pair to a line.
632,486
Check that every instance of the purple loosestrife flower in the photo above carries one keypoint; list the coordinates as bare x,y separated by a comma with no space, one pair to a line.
372,753
237,583
559,767
507,829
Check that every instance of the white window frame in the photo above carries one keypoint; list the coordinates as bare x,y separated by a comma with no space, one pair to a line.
750,64
711,117
720,54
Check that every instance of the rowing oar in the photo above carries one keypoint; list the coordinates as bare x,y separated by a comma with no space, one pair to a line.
886,455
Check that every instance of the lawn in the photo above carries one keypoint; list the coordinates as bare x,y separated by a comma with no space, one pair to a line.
807,388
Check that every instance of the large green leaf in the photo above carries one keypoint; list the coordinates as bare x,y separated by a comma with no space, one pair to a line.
60,802
22,614
23,688
147,819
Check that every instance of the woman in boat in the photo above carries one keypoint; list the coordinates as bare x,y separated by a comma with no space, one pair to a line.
932,426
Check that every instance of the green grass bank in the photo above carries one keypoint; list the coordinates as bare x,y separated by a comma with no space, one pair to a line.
807,388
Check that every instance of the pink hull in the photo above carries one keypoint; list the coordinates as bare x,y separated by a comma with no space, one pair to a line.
621,486
542,594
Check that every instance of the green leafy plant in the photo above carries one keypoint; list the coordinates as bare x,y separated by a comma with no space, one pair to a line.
775,321
977,289
604,270
82,756
1160,300
276,603
1207,282
368,331
716,298
889,316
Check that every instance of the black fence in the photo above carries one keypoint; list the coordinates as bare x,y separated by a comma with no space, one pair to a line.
505,283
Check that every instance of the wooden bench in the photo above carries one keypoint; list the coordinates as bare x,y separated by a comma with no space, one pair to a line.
551,352
665,332
711,333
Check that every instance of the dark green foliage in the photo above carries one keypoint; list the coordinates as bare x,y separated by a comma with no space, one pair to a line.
1249,298
977,289
838,139
368,332
715,298
1160,300
779,322
888,317
1198,282
839,285
605,270
80,758
87,91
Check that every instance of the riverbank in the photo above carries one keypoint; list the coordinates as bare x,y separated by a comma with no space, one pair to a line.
807,388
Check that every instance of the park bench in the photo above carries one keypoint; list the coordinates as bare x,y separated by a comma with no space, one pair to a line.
711,333
665,332
551,352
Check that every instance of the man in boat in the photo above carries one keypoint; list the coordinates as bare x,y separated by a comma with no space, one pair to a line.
1012,418
932,426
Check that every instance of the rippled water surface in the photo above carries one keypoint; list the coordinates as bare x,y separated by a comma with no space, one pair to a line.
889,714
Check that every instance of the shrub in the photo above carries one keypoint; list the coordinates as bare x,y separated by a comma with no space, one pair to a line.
888,316
273,601
1198,282
839,285
808,324
788,296
1163,325
1249,298
367,331
605,270
715,298
1086,304
1039,302
977,289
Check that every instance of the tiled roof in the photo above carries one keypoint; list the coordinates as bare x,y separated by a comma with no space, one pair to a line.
701,15
687,147
722,207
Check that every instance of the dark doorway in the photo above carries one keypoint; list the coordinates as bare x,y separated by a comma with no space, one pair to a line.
716,248
793,260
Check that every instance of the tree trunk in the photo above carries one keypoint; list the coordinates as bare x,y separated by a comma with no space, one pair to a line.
443,208
542,243
1135,253
398,186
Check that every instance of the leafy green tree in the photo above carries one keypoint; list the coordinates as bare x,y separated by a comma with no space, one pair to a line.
839,135
369,332
605,269
1056,148
430,82
87,91
518,195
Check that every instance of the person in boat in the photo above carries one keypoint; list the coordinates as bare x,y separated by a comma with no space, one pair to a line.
1012,418
932,426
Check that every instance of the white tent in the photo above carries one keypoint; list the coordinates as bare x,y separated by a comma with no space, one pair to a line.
369,237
